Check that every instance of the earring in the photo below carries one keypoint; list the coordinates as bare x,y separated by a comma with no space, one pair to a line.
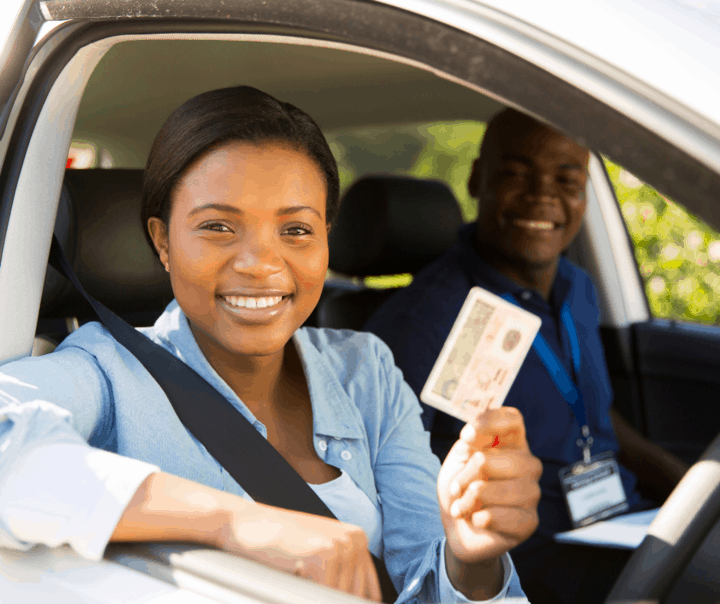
167,267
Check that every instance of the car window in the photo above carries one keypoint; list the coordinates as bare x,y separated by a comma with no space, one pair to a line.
443,151
678,255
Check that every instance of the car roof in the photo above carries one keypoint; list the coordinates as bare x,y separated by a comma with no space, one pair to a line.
670,45
341,87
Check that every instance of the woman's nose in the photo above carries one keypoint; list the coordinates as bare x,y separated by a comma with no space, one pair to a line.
258,257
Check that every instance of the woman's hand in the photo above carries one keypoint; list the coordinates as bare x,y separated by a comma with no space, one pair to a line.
488,491
324,550
169,508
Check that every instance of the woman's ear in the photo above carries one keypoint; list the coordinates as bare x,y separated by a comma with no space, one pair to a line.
159,235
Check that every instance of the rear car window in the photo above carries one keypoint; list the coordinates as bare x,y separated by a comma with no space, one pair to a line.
443,150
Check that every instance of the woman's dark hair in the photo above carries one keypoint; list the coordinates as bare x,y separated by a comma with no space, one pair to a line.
211,119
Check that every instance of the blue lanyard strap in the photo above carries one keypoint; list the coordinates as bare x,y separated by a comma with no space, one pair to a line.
558,373
569,325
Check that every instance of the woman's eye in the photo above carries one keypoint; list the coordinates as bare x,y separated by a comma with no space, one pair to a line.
218,227
297,230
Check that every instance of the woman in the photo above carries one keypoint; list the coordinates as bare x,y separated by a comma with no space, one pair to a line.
238,198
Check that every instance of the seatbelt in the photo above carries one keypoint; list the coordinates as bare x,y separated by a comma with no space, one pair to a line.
226,434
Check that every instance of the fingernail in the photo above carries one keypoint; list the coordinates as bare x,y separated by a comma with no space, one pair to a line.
454,488
468,433
455,510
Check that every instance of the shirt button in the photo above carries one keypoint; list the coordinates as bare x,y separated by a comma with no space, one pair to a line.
346,455
526,295
322,445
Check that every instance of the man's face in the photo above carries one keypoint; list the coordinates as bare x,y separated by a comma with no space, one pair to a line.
531,194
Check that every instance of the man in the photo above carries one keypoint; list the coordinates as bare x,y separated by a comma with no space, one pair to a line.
530,185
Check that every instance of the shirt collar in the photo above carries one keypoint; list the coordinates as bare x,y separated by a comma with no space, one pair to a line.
483,274
332,407
330,403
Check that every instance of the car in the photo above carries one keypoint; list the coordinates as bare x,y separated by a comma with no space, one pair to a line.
89,84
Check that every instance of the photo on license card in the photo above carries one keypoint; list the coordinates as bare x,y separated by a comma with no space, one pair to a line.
481,356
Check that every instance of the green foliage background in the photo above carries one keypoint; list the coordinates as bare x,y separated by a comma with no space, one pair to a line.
678,255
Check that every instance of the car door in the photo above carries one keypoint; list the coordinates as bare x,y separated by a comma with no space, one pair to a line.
664,363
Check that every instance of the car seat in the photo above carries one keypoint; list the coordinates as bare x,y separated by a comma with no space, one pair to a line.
98,225
386,225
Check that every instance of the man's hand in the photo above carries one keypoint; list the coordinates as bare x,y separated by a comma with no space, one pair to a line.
488,497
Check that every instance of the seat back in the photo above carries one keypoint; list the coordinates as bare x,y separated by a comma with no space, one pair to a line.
386,225
99,228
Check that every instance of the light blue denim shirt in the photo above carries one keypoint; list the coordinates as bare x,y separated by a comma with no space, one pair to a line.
366,422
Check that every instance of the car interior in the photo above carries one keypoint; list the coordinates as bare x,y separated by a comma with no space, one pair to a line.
376,232
388,224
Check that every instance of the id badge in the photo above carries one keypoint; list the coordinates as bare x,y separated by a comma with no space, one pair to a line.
593,491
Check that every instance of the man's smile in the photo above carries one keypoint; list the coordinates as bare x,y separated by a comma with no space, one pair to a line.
542,225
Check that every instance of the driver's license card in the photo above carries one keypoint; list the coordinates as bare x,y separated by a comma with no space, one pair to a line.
481,357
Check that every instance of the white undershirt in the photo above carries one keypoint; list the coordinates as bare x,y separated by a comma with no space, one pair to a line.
350,504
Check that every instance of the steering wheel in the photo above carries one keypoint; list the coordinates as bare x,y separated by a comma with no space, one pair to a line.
678,531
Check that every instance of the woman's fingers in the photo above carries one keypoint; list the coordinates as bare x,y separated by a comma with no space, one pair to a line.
494,465
353,572
516,523
484,494
503,427
471,471
365,581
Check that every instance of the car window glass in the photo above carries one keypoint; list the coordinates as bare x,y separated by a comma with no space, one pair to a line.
678,255
442,151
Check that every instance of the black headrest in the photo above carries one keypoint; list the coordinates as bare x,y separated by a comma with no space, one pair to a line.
393,224
99,227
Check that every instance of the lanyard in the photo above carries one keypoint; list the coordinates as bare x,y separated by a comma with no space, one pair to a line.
559,375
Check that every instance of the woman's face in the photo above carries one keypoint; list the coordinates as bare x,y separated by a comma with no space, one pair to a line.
246,246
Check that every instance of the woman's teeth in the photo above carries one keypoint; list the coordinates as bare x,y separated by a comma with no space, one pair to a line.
243,302
534,224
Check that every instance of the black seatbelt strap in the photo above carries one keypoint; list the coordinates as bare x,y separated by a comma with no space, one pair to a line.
226,434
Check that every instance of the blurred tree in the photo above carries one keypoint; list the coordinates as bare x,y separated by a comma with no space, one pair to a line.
678,254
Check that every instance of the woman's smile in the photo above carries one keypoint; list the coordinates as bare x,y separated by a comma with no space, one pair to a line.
255,309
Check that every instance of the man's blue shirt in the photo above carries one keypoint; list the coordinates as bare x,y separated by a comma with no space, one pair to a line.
416,321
